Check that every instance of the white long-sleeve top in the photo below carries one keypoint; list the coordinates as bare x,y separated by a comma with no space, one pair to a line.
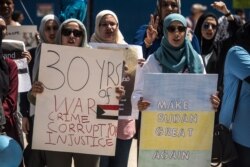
150,66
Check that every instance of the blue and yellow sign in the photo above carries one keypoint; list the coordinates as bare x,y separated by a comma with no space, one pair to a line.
177,128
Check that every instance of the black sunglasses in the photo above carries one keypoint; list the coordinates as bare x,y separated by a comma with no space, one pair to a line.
206,26
76,33
176,28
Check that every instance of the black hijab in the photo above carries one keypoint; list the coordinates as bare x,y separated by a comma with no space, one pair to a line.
243,36
4,72
206,45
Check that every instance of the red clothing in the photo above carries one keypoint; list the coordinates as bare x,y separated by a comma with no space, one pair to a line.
10,102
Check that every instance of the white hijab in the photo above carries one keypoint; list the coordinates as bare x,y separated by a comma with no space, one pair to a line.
96,37
44,20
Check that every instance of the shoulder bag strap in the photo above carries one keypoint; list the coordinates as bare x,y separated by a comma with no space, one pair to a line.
236,100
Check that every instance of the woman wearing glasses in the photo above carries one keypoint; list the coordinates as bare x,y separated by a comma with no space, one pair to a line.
206,30
175,55
214,52
149,36
107,31
72,32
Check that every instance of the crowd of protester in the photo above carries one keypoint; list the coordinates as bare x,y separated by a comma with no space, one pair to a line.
171,43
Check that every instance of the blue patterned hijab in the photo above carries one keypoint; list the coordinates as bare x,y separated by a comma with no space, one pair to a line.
177,59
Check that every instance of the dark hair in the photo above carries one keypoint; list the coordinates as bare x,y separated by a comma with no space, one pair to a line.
242,36
16,14
239,11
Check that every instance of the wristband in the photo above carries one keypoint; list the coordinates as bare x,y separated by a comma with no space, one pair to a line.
228,14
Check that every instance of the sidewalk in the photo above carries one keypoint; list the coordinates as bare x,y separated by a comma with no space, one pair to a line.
132,162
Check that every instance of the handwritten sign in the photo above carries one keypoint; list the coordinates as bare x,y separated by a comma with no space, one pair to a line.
131,55
23,33
72,114
176,130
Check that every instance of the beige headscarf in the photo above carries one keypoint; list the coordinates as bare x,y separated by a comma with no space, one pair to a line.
96,36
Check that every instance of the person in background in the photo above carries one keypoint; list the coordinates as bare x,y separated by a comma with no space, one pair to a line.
149,36
196,11
6,10
224,30
214,52
14,81
18,16
25,54
47,34
78,38
206,30
107,31
241,13
9,91
4,71
237,67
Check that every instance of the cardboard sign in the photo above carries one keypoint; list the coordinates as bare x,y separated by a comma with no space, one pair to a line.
23,33
131,55
177,128
78,110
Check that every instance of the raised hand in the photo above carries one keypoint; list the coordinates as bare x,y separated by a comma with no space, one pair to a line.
152,30
220,7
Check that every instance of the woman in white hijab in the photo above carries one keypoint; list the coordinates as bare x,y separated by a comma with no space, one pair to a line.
107,31
107,28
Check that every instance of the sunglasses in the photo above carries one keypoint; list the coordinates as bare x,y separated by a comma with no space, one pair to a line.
50,28
206,26
76,33
176,28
